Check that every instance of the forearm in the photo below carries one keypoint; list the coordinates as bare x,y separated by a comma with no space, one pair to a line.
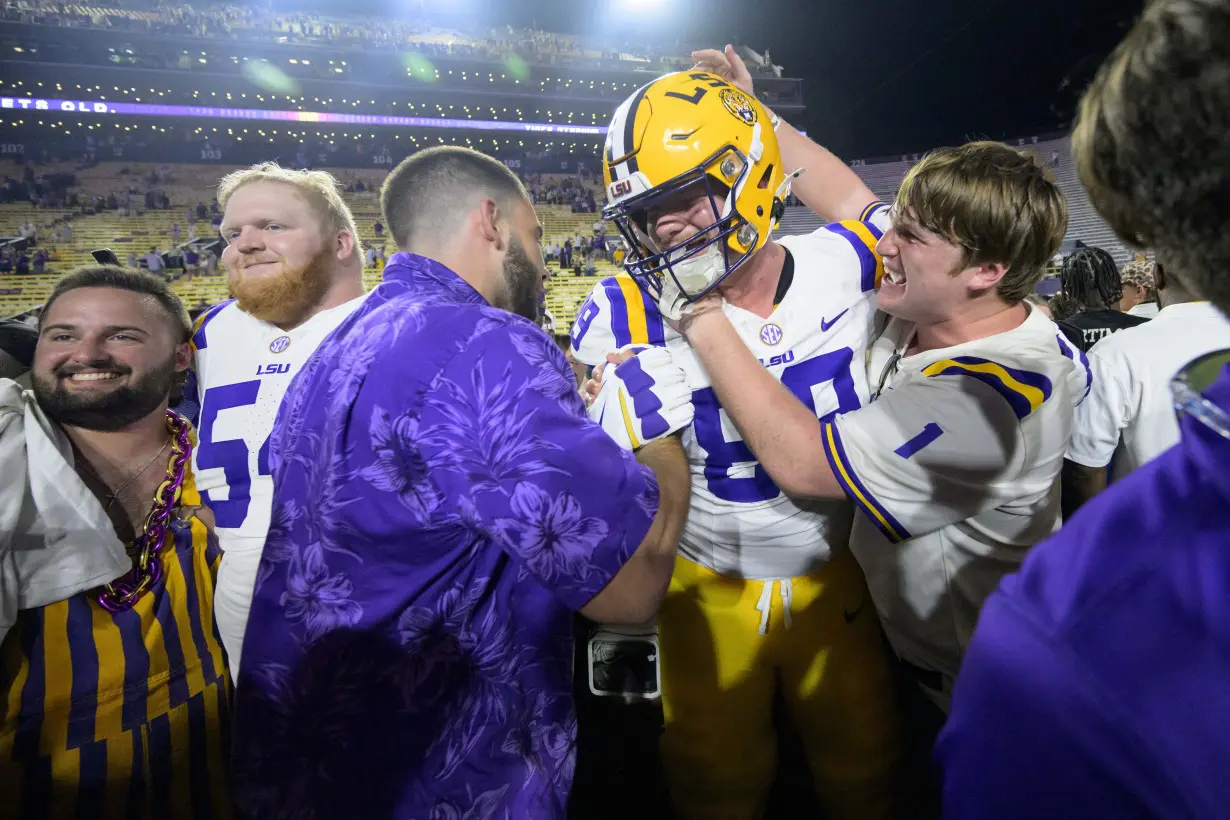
635,593
665,457
1078,485
780,430
827,186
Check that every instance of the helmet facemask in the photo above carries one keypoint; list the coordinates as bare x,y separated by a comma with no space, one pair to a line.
696,265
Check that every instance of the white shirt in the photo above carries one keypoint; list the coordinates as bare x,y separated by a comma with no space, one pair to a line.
1129,419
740,524
55,538
243,367
955,467
1146,310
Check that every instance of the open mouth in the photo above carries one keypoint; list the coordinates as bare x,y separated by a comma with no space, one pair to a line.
894,277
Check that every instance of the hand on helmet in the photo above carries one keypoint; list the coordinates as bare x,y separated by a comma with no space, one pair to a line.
726,64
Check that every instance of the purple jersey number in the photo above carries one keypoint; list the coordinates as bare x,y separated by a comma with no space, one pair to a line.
585,317
229,454
722,455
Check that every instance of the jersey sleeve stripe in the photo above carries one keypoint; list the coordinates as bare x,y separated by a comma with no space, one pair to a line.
619,312
198,328
864,242
627,417
870,210
1067,349
854,488
1024,391
644,323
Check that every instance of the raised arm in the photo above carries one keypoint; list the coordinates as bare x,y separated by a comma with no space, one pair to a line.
828,186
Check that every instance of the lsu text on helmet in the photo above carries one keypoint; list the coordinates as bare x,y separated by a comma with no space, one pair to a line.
685,135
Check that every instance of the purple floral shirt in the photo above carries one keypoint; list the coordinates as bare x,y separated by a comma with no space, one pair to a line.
442,505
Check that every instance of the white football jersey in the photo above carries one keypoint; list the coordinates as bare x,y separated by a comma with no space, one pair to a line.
1129,418
243,367
955,464
740,523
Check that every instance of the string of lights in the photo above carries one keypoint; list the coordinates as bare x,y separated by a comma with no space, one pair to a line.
302,102
67,127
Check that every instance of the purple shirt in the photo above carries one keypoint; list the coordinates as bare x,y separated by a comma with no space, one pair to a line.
1096,683
442,506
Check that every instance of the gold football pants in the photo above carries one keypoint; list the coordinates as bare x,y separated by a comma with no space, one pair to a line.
727,643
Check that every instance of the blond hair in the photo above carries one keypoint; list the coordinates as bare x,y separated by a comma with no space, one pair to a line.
320,189
994,202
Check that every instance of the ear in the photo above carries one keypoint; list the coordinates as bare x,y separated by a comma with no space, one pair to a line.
183,357
490,223
987,275
343,244
1159,277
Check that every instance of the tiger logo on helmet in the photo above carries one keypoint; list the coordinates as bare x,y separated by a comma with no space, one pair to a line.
684,135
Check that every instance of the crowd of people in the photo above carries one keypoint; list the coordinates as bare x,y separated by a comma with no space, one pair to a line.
321,551
575,191
253,23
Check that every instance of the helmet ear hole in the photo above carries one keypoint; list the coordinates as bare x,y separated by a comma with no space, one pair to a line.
779,210
765,177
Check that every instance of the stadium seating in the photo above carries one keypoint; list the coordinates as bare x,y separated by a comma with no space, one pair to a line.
1084,223
190,184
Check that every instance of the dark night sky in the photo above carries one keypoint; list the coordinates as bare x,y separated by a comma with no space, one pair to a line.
881,76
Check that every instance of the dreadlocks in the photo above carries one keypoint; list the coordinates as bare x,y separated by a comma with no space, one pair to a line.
1091,278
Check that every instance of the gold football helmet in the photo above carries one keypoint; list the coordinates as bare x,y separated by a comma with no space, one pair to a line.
688,133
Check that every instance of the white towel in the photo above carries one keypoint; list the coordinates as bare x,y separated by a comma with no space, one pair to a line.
55,538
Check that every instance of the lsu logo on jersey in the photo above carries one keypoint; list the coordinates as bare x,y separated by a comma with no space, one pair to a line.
271,369
781,358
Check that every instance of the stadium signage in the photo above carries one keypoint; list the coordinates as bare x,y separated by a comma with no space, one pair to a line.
210,112
31,104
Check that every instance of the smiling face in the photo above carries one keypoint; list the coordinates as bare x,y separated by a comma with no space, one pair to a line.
279,257
105,358
924,280
681,218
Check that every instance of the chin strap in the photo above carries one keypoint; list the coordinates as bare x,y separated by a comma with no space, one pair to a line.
672,304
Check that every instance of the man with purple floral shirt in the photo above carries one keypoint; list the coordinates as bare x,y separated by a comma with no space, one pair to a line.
442,505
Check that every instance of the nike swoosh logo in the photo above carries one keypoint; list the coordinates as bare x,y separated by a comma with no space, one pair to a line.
825,324
850,616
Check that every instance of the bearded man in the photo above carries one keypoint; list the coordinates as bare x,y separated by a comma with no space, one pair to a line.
113,687
295,269
442,506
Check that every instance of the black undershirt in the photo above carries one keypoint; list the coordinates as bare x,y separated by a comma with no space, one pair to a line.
784,280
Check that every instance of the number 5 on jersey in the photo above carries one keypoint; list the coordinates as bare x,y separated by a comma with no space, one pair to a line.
231,455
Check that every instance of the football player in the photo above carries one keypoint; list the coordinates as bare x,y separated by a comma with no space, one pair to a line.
295,269
954,463
765,593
